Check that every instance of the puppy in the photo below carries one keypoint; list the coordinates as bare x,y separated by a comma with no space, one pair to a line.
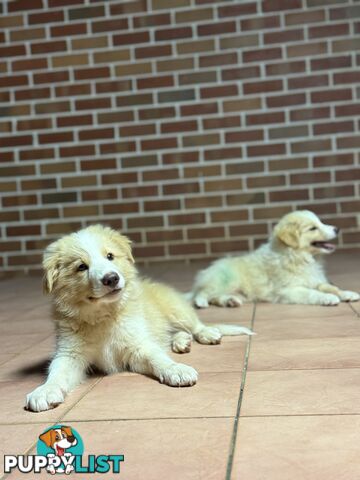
59,439
284,270
107,316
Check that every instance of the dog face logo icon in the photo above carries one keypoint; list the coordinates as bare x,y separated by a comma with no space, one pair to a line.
59,444
59,439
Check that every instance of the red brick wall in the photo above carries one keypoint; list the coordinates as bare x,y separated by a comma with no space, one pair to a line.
192,125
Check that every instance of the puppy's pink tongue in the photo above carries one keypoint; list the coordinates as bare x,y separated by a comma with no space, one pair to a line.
60,451
329,246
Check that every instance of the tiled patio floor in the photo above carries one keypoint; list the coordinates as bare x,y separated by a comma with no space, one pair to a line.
282,405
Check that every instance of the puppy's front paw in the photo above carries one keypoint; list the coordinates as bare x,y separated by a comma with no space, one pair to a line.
230,301
329,299
349,296
179,375
209,336
44,397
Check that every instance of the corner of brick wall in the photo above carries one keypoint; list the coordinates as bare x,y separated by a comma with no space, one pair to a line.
192,125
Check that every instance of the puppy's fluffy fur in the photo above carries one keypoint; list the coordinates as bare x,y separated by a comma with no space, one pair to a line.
107,316
284,270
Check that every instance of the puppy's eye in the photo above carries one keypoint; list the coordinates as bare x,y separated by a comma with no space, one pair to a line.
82,267
313,228
110,256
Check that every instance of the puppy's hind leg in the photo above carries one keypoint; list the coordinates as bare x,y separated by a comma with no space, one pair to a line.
181,342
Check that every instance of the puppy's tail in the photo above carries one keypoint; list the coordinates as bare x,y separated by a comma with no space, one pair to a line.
228,330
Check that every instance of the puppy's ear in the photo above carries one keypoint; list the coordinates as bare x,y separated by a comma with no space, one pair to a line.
68,431
287,233
48,438
124,244
51,267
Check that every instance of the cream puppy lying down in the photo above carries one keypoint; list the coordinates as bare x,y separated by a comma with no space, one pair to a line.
284,270
107,316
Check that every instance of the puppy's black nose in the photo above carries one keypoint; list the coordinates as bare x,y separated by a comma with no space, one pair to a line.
71,438
337,230
110,279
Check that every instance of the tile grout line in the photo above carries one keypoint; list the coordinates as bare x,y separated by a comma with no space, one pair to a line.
354,309
57,420
241,393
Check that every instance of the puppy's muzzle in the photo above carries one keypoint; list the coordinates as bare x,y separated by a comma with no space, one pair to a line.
110,280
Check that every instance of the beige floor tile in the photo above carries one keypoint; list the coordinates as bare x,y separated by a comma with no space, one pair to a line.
305,353
18,342
291,328
186,449
299,448
137,397
12,401
302,392
266,311
226,357
17,439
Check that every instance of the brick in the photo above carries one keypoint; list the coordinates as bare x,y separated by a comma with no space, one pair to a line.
284,68
89,43
288,195
266,181
92,104
347,77
131,38
311,178
19,200
259,87
48,47
330,63
245,198
111,56
37,154
90,73
61,167
222,122
34,124
176,96
33,93
51,77
187,249
40,184
123,207
16,141
73,90
237,10
185,126
239,42
240,73
62,228
261,54
153,113
60,197
77,150
248,229
306,49
244,136
55,137
284,36
20,5
311,146
27,34
9,216
163,174
285,100
229,216
181,188
180,157
278,5
193,15
199,77
139,161
115,117
309,113
196,46
78,181
308,81
155,82
95,133
270,212
216,28
174,65
346,110
347,175
260,23
203,202
117,147
151,20
304,17
158,51
68,30
345,45
143,191
159,143
333,160
185,219
348,142
328,30
98,164
103,194
148,221
334,191
333,127
221,59
223,91
128,7
137,130
241,168
223,153
198,140
264,118
46,17
13,81
331,96
86,12
157,251
23,230
173,33
33,64
161,205
289,132
7,21
74,120
242,105
198,109
344,12
223,185
203,171
260,150
70,60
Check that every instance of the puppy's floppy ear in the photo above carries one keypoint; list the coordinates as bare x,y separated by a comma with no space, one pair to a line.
288,233
68,431
48,438
124,243
51,267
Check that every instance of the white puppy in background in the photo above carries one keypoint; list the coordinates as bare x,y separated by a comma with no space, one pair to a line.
284,270
105,315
